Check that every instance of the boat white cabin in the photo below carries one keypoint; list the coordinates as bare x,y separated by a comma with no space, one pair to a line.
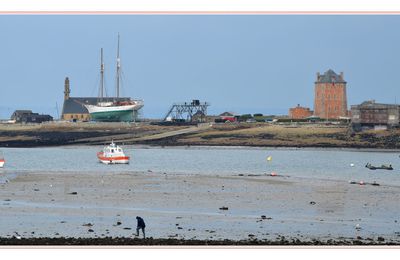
112,154
2,161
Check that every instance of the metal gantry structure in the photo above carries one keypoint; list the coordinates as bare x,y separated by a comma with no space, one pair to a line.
187,111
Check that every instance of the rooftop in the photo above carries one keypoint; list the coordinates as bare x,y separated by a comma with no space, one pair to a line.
330,77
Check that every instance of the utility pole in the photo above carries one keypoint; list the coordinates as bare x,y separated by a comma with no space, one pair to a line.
118,70
101,76
58,115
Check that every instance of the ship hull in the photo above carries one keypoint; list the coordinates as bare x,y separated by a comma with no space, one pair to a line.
113,113
113,116
112,160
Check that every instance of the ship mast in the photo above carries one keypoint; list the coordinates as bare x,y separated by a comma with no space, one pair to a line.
118,70
102,76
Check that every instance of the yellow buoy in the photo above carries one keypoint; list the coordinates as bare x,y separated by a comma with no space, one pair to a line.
269,158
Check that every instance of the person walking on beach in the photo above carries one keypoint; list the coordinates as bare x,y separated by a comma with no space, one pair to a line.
140,225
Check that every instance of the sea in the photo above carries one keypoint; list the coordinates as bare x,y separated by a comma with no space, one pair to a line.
319,164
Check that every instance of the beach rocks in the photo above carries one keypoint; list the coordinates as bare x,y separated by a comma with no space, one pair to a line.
223,208
362,183
173,240
312,202
73,193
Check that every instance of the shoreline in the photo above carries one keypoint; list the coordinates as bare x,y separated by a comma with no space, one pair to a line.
261,135
124,241
223,147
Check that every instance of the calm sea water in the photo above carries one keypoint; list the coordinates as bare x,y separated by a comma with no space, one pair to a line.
304,163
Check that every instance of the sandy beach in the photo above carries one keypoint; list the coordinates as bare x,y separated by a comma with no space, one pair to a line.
203,207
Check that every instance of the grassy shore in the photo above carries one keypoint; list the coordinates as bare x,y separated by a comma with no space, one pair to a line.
243,134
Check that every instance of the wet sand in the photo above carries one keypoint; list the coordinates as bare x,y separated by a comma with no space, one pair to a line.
248,208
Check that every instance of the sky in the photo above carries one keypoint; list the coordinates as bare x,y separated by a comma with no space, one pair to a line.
239,63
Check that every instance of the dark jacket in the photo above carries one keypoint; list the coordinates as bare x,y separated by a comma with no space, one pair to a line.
140,223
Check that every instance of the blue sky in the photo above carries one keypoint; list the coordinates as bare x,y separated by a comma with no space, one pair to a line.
241,63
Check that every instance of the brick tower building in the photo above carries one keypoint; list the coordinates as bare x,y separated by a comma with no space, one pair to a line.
299,112
330,100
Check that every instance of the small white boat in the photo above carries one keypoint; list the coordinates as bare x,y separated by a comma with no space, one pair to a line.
112,154
2,161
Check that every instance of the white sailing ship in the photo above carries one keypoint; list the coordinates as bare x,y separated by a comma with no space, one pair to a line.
117,110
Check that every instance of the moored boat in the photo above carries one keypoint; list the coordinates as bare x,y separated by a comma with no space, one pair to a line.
2,161
382,167
112,154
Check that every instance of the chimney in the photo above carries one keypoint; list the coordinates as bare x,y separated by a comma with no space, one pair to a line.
341,76
318,75
67,90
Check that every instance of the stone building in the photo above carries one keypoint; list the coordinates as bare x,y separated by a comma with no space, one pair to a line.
300,112
27,116
374,115
330,100
74,109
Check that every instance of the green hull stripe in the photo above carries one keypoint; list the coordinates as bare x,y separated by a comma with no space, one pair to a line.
113,116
